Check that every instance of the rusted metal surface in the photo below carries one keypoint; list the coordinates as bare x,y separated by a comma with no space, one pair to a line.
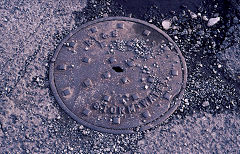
118,75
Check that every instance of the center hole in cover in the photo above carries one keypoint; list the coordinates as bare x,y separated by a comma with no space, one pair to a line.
117,69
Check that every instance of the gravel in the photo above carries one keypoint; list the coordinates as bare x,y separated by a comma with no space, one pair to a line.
230,58
199,133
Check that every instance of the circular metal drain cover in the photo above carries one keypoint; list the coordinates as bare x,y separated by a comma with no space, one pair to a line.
118,75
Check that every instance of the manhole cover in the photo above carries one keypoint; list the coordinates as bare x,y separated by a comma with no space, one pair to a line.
118,75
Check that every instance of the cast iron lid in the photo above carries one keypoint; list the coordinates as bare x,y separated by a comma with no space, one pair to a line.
118,75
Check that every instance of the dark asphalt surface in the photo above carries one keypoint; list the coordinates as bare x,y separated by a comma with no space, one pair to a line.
31,121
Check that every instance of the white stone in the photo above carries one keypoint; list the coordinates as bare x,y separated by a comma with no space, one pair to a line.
213,21
205,104
193,15
205,18
166,24
175,27
219,65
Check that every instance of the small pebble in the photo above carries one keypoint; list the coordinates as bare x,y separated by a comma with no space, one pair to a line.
235,20
146,87
213,21
193,15
205,104
166,24
205,18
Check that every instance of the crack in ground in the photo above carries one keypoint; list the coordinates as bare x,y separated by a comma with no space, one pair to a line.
22,72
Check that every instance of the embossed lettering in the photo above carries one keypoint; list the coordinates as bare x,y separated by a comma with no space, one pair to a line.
104,108
113,109
137,106
154,94
121,110
144,103
131,109
151,99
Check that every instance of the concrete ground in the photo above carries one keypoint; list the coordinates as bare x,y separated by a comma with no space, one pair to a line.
31,121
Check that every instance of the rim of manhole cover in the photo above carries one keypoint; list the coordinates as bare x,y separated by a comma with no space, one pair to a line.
118,75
